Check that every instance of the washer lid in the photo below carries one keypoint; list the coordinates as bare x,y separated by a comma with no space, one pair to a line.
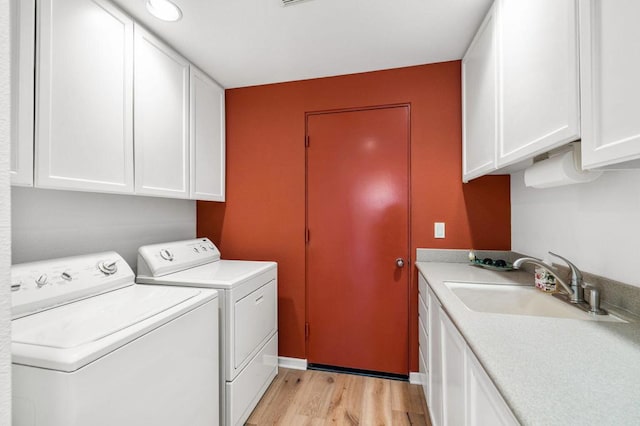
68,337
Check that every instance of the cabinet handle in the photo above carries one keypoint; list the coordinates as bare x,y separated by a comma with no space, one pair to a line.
400,262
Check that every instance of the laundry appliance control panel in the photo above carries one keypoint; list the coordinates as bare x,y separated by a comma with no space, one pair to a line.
37,286
162,259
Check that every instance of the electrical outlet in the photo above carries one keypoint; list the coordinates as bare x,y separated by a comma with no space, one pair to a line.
438,230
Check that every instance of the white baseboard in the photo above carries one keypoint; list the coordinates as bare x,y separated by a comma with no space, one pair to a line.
415,378
293,363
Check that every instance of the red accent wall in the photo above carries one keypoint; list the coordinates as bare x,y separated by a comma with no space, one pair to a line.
264,215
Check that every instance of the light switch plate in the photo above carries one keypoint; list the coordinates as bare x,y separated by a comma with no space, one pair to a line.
438,230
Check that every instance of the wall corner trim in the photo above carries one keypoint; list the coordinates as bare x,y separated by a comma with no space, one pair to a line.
415,378
293,363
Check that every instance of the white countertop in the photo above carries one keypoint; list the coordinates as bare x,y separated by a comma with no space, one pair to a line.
551,371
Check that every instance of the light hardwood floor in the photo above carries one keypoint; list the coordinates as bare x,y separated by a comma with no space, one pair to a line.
322,398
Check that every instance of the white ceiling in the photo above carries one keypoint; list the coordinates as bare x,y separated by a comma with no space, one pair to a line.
250,42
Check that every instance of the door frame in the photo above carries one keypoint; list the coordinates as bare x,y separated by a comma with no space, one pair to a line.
409,262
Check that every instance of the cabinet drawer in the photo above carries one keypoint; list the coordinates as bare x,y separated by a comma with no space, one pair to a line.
423,341
244,392
424,373
255,319
422,287
423,313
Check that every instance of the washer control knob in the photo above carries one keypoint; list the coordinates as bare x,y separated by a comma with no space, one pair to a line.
41,280
16,286
166,255
108,268
66,276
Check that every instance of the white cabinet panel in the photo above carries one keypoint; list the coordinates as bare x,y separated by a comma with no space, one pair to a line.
538,75
207,138
161,96
485,405
457,388
453,373
84,136
479,102
22,91
610,66
434,361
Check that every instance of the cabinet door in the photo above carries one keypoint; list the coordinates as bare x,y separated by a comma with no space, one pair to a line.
161,125
479,103
207,136
485,405
610,66
22,91
84,137
434,363
453,373
538,75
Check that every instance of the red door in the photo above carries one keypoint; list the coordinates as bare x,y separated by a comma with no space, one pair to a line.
358,223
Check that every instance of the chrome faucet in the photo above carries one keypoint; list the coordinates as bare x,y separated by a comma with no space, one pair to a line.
575,289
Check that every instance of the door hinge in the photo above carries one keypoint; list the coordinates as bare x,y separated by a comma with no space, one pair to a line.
306,330
307,235
306,141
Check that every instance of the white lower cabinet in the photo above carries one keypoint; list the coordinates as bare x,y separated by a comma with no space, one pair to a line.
453,373
485,405
434,362
458,390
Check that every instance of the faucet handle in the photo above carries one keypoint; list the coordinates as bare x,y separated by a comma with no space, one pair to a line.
576,275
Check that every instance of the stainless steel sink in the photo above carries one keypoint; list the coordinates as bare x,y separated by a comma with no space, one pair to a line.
519,300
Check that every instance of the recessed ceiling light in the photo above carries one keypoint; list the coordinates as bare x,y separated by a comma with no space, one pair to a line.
164,9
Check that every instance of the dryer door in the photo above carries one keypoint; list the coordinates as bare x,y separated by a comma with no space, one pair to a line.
255,319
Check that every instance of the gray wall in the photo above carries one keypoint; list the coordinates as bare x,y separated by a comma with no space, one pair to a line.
5,227
595,225
49,224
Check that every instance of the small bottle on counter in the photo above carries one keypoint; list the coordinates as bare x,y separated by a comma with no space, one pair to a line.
544,280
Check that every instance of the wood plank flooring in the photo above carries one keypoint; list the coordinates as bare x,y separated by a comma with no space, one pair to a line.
322,398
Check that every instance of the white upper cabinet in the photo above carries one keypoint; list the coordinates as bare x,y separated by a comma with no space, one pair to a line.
479,102
538,75
609,68
207,133
84,133
161,98
22,91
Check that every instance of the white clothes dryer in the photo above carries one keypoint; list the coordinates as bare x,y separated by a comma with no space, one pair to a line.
248,314
90,347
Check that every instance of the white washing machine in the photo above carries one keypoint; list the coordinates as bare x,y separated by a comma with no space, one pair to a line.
248,314
90,347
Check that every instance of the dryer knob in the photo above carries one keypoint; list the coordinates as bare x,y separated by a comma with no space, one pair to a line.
108,268
41,280
166,255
